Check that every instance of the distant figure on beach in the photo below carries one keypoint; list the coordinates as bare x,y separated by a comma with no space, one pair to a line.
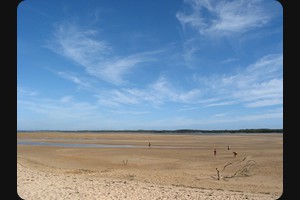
228,147
215,152
234,153
149,144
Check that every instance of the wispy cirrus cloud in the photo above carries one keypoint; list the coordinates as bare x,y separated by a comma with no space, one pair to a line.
157,93
95,55
113,69
222,103
259,84
219,18
262,94
75,79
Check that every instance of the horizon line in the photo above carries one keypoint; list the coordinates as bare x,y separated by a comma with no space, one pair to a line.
164,130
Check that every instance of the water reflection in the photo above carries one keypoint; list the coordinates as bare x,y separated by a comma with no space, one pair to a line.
35,143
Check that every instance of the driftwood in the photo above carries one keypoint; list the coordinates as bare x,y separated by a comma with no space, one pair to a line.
241,168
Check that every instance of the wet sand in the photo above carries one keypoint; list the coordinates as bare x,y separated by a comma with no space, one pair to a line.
174,167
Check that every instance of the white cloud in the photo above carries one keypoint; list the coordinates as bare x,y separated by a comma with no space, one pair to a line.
224,103
188,108
75,79
259,84
78,45
96,56
163,89
224,17
265,102
266,90
113,70
155,94
265,69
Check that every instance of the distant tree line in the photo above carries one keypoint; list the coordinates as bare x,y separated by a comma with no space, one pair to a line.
179,131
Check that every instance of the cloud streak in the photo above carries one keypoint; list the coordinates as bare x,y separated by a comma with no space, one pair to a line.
259,84
155,94
75,79
220,18
84,48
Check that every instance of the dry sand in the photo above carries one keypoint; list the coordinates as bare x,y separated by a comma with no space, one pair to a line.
174,167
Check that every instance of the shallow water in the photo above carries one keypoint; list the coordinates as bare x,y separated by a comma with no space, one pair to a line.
34,143
82,145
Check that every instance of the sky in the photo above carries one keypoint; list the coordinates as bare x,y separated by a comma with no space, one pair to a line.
149,65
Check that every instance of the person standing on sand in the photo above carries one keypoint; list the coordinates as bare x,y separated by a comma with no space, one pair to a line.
228,147
215,152
234,153
149,144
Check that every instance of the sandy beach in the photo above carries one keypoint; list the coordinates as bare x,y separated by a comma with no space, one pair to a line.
60,165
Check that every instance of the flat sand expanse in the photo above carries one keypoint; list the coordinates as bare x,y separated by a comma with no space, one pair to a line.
174,167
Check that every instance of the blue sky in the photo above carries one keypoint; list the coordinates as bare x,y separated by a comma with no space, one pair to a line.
132,64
